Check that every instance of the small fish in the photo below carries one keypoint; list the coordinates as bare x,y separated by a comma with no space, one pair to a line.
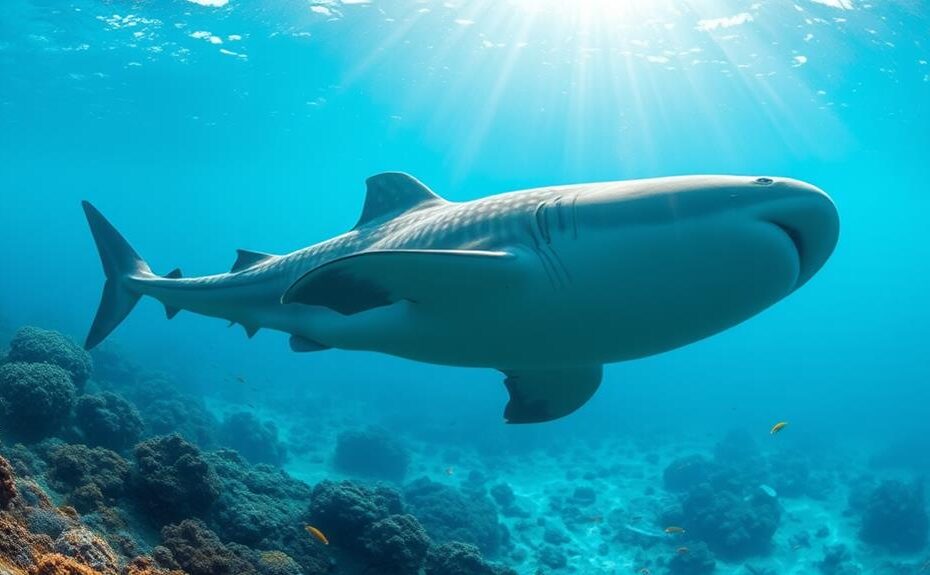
674,530
682,550
240,379
645,571
450,471
595,519
768,491
778,427
317,534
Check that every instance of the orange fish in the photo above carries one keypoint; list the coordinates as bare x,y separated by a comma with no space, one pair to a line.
317,534
682,550
778,427
674,530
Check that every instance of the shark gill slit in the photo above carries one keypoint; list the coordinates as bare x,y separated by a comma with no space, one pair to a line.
554,267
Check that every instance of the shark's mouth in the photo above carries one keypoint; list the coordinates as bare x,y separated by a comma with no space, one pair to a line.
796,240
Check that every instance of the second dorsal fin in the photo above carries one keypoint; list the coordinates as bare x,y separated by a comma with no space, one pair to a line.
246,259
393,193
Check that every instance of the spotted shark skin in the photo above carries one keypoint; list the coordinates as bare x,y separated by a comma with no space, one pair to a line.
545,285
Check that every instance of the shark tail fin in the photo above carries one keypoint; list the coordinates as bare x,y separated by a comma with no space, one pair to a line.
120,262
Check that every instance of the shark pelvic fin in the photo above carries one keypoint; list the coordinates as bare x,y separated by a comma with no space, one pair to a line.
246,259
393,193
543,395
368,280
250,331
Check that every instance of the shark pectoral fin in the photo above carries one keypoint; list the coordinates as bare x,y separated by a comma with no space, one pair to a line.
301,344
543,395
368,280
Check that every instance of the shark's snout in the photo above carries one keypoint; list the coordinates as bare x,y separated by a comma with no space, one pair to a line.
806,216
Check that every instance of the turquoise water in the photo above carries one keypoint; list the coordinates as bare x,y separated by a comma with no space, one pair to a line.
200,127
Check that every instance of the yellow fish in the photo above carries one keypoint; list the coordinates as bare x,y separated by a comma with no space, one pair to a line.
778,427
317,534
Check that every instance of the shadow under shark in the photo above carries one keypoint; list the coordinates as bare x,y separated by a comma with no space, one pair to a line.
546,285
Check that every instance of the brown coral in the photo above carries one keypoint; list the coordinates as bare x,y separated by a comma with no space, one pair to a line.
88,548
7,484
146,566
17,545
55,564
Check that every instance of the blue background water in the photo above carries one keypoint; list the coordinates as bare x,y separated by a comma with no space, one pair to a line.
193,152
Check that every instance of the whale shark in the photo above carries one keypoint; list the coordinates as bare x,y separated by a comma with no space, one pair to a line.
545,285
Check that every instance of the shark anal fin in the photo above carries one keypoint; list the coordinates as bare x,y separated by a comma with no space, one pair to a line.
170,312
393,193
173,274
546,394
250,331
368,280
246,259
301,344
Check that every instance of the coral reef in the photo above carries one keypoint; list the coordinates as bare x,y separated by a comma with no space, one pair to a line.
894,516
345,509
837,561
7,484
552,557
505,498
169,412
51,522
172,480
55,564
35,345
732,525
687,472
371,452
198,551
457,558
396,544
89,549
276,563
90,476
256,503
146,566
692,559
107,420
35,398
452,515
255,440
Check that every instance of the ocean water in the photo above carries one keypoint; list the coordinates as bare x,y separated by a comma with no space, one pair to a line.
202,126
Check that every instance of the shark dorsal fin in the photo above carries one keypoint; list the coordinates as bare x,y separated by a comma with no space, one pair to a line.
393,193
246,259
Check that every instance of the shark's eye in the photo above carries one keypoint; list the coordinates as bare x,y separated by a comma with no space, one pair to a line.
763,181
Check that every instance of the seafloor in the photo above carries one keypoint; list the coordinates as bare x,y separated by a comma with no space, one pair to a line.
109,468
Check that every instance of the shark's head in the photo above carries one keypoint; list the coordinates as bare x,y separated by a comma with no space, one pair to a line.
704,252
